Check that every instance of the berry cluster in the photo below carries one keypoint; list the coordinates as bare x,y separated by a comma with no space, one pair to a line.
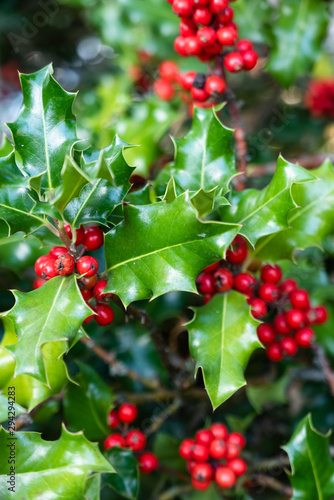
58,262
134,439
207,31
214,456
285,308
319,98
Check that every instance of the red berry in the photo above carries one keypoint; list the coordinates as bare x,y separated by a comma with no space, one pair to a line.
200,485
204,437
250,59
300,299
217,6
219,431
288,286
193,46
38,282
89,318
226,16
200,3
213,49
187,27
98,289
191,464
232,451
289,346
238,466
88,266
164,89
269,292
244,45
113,420
266,333
223,280
148,462
68,229
295,318
271,274
40,262
234,62
104,314
56,251
237,439
215,85
64,265
281,325
87,283
274,352
183,7
127,413
227,36
80,233
180,46
304,337
202,16
114,440
244,283
48,270
168,70
202,472
205,283
225,477
187,79
321,315
186,448
200,453
211,269
199,94
239,251
258,308
93,238
136,440
207,298
217,449
206,36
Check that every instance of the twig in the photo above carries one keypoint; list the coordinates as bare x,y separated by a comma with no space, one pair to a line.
324,365
52,229
160,419
72,249
166,394
272,483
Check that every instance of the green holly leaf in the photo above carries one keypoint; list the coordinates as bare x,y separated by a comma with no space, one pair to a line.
52,313
11,175
312,467
204,158
125,482
266,212
86,405
297,35
162,247
70,461
73,178
4,410
45,131
309,223
222,337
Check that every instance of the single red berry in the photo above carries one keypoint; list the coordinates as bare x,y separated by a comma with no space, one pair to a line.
39,264
217,449
202,16
300,299
237,439
164,89
232,451
274,352
187,27
56,251
113,420
295,318
321,315
289,346
238,466
193,46
135,440
93,238
104,314
258,308
215,85
205,283
199,94
217,6
180,46
204,437
225,477
191,464
200,3
207,298
219,431
200,485
187,79
87,266
211,50
244,283
202,472
266,333
223,280
64,265
186,448
227,36
68,229
87,283
281,325
269,292
48,270
211,269
244,45
168,70
114,440
238,253
183,7
200,453
86,294
271,274
304,337
89,318
288,286
38,282
98,292
148,462
80,233
226,16
127,413
250,59
234,62
206,36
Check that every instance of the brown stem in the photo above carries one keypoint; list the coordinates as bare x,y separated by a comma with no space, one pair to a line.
160,419
72,249
273,484
324,365
52,229
166,394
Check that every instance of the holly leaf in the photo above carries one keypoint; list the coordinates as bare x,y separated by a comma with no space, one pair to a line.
70,461
73,179
204,158
5,409
309,223
45,131
268,394
311,463
297,34
162,247
52,313
263,212
222,337
11,175
125,482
